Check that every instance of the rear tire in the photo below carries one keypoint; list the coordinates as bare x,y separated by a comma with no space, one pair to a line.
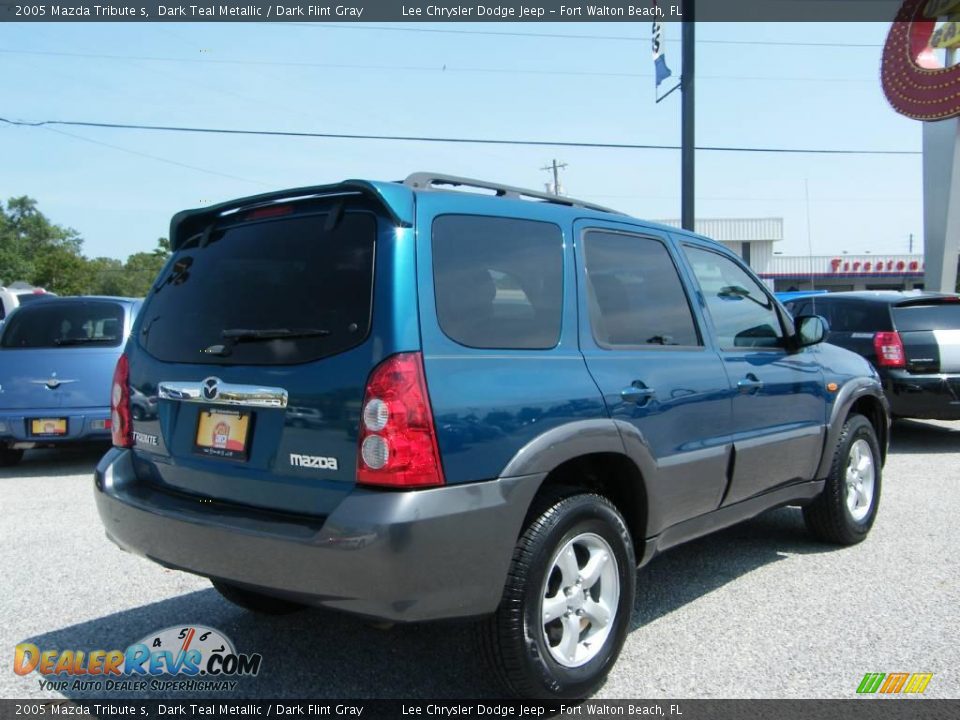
254,601
567,602
10,457
844,512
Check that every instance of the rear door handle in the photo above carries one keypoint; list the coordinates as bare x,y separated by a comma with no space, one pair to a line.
637,393
750,384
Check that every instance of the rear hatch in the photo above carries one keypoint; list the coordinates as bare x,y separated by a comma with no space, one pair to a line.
930,331
257,339
60,354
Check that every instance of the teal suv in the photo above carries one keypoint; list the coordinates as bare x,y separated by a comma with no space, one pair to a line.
446,398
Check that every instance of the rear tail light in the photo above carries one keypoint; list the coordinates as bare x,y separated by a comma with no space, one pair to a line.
398,442
120,426
270,211
889,349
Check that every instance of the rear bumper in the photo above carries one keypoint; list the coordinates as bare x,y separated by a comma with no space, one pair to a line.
401,556
932,397
82,425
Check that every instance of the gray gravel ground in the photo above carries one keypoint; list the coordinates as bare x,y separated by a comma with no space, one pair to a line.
758,610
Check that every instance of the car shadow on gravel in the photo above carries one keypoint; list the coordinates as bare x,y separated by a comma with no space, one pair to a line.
317,654
59,461
687,572
913,437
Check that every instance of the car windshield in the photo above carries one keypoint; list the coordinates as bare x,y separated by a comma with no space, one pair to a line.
53,324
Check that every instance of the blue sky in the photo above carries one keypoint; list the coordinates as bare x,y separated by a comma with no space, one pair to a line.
363,79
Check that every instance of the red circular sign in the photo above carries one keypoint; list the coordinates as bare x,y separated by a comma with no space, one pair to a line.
912,82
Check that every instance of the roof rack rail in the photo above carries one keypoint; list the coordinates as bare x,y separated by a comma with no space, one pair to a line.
430,181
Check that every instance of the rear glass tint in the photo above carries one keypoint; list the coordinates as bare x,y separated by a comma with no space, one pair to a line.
498,281
941,316
292,274
54,324
850,315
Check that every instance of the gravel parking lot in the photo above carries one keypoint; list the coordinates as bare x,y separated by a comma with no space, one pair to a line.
758,610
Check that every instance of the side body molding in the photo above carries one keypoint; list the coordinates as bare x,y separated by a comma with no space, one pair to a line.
852,390
583,437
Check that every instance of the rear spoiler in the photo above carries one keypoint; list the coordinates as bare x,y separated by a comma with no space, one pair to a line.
396,199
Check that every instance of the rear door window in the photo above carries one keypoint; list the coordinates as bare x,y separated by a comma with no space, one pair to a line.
498,282
857,316
634,293
52,324
265,292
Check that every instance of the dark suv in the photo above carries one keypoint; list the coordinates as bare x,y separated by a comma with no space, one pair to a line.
519,398
912,338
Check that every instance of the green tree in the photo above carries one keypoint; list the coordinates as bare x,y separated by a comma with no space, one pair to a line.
34,249
142,269
106,277
61,271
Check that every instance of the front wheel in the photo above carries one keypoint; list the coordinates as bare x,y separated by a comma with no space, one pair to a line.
567,602
10,457
845,510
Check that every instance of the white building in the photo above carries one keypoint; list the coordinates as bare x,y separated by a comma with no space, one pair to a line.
753,239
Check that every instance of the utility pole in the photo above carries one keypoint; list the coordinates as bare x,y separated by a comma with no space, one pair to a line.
555,167
687,136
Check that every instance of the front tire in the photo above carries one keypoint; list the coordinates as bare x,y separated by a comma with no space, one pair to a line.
844,512
567,602
254,601
10,457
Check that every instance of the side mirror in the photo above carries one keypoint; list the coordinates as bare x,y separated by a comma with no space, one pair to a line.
811,330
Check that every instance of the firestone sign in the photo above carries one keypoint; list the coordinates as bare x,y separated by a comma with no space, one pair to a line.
913,80
843,266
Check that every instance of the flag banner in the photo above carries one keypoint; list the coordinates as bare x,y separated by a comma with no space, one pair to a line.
659,59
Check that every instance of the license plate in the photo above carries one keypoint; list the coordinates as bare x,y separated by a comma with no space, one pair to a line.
223,433
48,426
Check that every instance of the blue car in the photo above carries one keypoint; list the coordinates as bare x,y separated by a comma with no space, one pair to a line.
410,402
56,362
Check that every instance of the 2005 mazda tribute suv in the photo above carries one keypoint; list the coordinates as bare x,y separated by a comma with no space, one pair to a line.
516,399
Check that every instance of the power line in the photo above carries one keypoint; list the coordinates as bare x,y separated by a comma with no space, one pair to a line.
628,38
152,157
455,140
440,68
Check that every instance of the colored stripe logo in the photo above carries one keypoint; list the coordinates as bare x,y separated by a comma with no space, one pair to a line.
894,683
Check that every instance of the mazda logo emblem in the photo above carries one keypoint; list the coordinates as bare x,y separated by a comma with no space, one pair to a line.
211,388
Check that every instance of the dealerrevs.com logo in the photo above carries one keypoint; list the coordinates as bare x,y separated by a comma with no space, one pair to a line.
198,658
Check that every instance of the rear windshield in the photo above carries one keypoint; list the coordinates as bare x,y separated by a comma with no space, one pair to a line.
941,316
93,323
230,299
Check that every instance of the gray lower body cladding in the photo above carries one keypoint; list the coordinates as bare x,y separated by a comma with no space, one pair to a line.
396,555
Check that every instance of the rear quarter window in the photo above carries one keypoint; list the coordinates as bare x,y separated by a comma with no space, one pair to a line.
498,282
54,324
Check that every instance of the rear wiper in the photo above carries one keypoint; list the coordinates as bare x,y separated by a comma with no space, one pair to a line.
247,335
238,335
83,341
